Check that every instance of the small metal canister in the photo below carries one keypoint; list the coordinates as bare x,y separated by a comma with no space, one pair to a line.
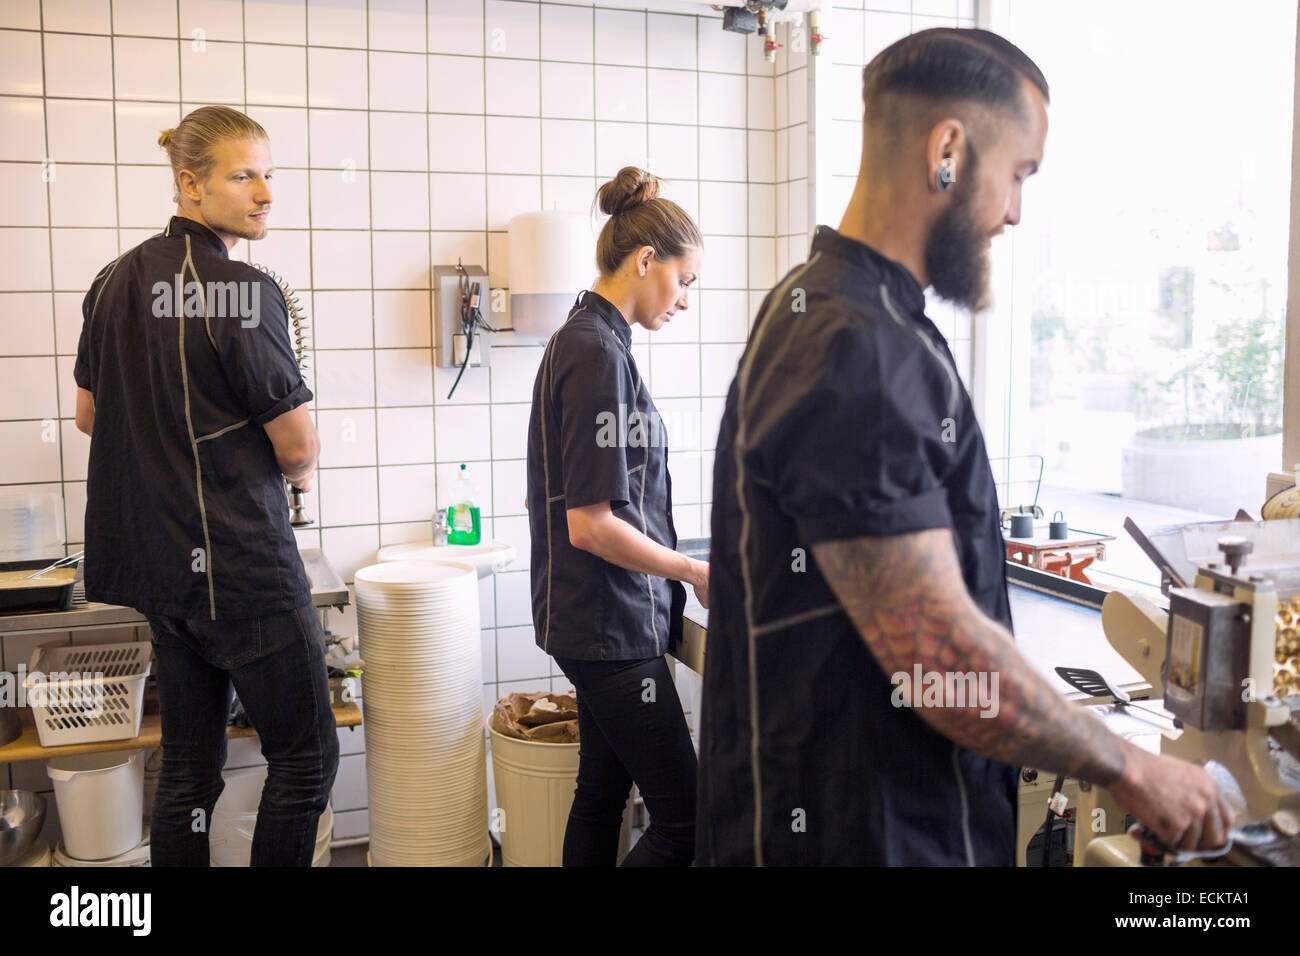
1058,529
1022,526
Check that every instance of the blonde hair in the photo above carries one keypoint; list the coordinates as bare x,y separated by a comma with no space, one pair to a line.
639,217
191,144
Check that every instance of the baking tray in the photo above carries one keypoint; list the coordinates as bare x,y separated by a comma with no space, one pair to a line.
39,596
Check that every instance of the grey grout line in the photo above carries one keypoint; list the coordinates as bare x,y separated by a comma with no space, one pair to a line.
54,308
433,316
440,500
311,253
284,104
370,253
649,374
357,109
511,346
357,49
496,596
328,229
117,195
699,322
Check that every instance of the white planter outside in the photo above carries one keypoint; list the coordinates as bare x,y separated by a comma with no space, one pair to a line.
1216,476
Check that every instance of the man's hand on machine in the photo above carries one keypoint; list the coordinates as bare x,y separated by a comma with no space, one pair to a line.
303,481
1176,799
909,601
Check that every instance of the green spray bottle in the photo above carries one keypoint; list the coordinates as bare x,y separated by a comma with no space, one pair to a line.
463,524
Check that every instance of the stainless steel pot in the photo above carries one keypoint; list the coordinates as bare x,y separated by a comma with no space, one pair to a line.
22,814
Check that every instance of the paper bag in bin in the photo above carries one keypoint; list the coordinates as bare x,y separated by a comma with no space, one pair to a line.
542,717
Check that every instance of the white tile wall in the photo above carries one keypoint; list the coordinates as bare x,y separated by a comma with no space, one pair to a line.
389,118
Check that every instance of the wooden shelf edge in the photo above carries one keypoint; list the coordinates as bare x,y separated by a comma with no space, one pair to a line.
28,745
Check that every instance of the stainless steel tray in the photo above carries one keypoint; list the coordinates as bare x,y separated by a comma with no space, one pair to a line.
39,595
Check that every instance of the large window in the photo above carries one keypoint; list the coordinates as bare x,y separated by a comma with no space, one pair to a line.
1136,344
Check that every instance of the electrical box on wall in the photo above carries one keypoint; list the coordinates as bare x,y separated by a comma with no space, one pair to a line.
450,307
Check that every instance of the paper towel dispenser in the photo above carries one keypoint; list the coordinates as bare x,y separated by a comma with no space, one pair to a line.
552,259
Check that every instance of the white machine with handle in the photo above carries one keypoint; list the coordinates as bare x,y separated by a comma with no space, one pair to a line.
1226,654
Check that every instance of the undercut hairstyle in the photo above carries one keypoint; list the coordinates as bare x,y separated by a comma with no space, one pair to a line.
946,65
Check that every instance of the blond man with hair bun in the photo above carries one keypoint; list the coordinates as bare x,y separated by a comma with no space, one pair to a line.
189,389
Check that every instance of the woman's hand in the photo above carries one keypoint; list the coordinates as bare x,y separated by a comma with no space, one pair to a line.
700,582
594,528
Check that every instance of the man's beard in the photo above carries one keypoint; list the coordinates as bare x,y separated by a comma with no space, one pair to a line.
253,229
245,228
956,253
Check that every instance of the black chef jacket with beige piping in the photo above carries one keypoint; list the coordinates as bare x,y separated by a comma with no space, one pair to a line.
186,511
846,419
595,435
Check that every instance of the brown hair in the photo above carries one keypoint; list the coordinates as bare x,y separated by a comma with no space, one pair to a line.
190,145
639,217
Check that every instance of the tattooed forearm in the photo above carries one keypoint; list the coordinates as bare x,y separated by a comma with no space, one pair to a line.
906,595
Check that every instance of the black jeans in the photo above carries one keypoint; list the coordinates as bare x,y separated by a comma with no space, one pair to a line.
277,665
630,728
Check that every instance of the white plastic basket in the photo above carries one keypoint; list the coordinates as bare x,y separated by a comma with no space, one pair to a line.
103,701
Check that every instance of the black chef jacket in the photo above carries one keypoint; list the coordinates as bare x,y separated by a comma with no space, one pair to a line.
853,422
595,435
186,512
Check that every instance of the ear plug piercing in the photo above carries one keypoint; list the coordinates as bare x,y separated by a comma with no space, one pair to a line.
945,176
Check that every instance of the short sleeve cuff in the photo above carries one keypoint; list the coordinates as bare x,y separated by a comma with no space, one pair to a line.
616,500
301,395
81,375
879,518
596,485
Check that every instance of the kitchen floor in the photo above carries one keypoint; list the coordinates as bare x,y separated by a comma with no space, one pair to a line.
356,855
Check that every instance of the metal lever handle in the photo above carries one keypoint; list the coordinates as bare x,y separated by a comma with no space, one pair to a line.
298,516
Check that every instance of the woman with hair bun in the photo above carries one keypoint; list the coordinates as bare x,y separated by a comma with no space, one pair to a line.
607,584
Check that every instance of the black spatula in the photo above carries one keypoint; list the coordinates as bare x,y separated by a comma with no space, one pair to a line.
1094,685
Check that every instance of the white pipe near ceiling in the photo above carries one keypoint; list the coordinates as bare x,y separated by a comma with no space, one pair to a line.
793,10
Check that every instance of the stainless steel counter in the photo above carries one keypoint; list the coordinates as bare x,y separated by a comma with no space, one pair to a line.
1049,632
327,590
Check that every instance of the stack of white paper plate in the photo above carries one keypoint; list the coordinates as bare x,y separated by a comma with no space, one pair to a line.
426,770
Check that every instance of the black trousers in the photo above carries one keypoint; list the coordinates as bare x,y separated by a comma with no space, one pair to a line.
277,664
630,728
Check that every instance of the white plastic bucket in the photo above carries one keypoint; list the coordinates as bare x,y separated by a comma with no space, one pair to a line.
100,798
534,789
234,819
137,856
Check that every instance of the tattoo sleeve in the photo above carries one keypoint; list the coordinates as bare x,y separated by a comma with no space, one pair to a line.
906,595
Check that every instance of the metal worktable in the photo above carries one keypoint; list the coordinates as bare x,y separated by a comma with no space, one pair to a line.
327,590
